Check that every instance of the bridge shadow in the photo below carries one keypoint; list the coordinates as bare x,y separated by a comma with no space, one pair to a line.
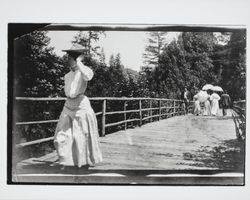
228,156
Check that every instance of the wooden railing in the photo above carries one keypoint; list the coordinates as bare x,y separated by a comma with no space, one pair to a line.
239,117
165,108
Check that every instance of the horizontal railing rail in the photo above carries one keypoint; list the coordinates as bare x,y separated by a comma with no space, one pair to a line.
239,117
240,108
144,113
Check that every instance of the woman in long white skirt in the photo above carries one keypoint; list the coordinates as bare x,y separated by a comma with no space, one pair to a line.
76,136
207,107
197,107
214,98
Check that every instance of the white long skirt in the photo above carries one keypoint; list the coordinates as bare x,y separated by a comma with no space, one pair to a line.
76,136
207,108
197,107
215,107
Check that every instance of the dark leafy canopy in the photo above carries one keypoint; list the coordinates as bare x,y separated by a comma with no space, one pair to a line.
198,48
234,68
37,70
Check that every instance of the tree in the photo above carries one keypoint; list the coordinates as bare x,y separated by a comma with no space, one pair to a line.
88,40
185,62
99,85
118,78
171,74
199,47
132,83
37,70
156,44
102,57
234,66
112,60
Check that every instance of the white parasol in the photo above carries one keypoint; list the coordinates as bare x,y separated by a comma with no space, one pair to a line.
207,87
217,89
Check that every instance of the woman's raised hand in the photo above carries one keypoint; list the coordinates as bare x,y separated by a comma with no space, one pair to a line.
80,58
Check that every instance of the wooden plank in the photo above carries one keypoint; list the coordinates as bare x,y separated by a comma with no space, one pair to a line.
159,104
148,109
103,117
181,142
41,98
145,118
98,113
91,98
121,122
167,107
140,113
121,112
34,142
37,122
125,115
44,121
151,113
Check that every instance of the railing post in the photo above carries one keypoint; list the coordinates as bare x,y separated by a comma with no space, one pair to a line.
177,107
188,108
125,115
140,112
159,103
103,117
174,107
151,112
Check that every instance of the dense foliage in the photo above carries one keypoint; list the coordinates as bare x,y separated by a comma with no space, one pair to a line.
38,71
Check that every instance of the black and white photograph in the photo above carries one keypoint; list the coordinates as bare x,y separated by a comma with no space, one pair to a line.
127,104
126,99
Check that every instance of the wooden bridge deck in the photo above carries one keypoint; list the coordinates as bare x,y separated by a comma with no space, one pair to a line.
181,143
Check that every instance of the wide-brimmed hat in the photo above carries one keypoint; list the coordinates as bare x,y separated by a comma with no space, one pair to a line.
76,48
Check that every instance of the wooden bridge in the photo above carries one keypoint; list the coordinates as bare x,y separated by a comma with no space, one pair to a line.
173,149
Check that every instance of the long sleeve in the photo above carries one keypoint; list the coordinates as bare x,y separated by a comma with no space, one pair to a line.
74,84
87,73
66,85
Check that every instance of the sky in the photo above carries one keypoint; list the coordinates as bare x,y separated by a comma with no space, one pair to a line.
130,44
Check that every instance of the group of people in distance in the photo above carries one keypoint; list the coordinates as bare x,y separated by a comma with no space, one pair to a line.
207,102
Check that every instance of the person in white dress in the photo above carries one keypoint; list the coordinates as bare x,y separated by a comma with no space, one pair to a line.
76,136
207,106
197,107
214,98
